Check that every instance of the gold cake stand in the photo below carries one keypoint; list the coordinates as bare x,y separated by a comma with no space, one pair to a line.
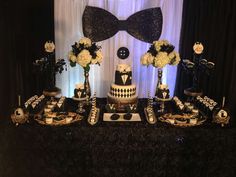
81,102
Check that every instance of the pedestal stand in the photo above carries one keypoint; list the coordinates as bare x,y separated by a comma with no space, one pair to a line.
162,104
52,93
81,102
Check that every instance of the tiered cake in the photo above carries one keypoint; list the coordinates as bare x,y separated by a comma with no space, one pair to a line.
122,92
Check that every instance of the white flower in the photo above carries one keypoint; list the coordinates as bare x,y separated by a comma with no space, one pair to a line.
94,61
84,58
86,41
72,57
79,86
172,55
198,48
49,46
163,86
150,58
161,60
123,68
144,59
175,60
99,56
160,43
147,59
157,45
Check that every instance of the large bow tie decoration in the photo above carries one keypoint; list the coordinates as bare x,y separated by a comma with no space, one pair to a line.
99,24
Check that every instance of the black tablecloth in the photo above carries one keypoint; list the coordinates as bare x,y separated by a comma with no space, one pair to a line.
116,149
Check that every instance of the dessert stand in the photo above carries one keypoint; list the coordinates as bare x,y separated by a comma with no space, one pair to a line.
198,67
186,115
50,116
81,102
52,94
162,102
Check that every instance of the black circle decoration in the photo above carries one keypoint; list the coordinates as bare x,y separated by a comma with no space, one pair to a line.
123,53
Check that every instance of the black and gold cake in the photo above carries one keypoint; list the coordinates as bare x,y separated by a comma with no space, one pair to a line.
79,91
163,92
122,92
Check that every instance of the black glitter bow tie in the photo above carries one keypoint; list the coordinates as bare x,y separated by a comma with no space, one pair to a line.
99,24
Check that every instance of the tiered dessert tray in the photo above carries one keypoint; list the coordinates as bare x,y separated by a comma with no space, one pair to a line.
81,102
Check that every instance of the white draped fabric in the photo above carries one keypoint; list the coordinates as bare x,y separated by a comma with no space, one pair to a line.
68,29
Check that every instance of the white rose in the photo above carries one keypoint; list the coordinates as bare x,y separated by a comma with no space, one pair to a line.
49,46
157,45
176,60
123,68
165,42
150,59
144,59
99,56
94,61
84,58
161,60
172,55
198,48
160,43
72,57
79,86
86,41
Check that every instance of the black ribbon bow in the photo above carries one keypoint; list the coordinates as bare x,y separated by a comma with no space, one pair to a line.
99,24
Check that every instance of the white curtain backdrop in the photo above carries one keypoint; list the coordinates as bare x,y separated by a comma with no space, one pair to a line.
68,29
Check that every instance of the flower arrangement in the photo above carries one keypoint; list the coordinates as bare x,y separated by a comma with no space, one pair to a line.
84,53
160,54
48,62
49,65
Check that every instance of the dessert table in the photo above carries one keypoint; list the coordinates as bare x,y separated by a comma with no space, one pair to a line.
116,149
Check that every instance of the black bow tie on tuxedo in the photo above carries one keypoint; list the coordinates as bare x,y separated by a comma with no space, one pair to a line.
123,73
99,24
